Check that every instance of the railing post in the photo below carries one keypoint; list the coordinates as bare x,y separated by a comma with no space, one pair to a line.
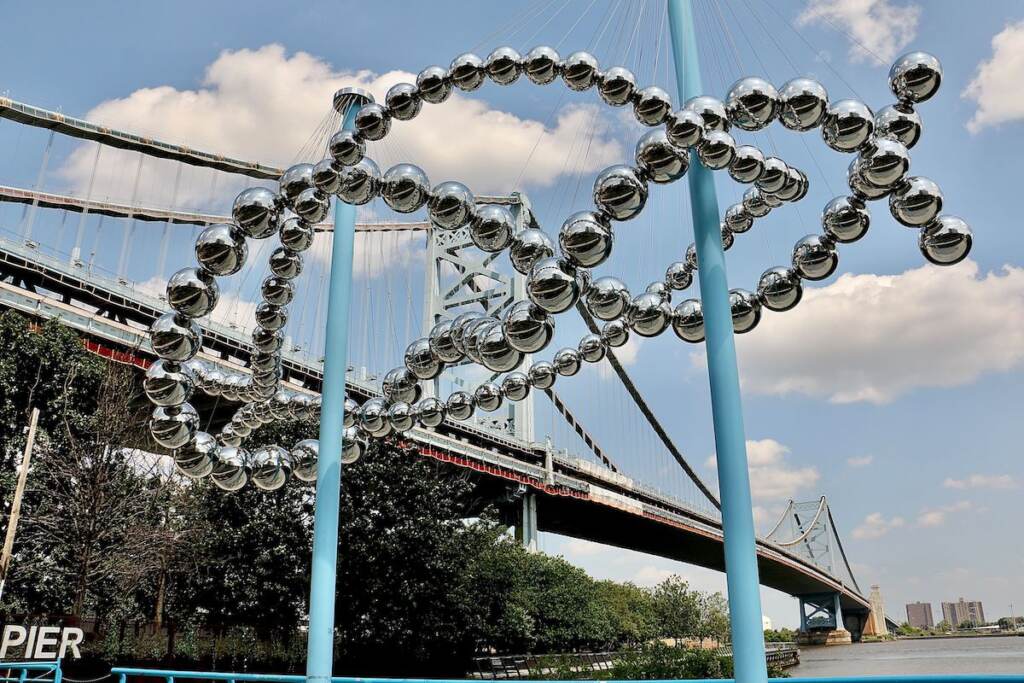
320,652
726,406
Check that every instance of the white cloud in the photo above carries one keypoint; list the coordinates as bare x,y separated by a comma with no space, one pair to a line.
879,29
649,575
996,84
982,481
231,310
577,547
876,525
626,355
860,460
872,338
771,477
937,516
264,105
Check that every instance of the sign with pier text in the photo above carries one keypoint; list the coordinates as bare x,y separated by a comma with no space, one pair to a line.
40,642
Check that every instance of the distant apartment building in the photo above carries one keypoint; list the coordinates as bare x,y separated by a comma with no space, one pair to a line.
956,613
919,615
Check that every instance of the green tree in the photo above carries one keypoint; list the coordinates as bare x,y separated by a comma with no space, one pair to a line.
676,608
630,610
713,617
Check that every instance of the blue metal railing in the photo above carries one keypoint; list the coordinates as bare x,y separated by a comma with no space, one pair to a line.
27,671
178,676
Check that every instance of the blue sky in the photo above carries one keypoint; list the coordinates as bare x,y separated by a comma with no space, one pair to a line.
895,389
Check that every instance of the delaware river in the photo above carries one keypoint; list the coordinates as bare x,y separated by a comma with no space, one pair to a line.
969,655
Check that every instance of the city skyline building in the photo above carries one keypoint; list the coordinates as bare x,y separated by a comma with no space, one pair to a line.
919,615
957,613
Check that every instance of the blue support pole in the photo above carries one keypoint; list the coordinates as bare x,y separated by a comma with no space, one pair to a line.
726,406
320,650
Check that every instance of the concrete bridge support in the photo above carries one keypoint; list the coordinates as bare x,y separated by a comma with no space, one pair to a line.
821,620
526,521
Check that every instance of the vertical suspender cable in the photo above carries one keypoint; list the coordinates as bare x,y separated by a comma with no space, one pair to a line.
726,406
129,231
27,235
85,210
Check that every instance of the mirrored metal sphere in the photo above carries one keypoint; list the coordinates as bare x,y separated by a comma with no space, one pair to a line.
360,183
779,289
615,333
293,181
267,341
527,328
717,150
430,411
400,384
755,204
620,192
434,84
711,111
592,348
492,227
688,321
350,412
580,71
737,219
373,418
685,128
847,125
255,211
815,257
192,292
746,310
515,386
460,406
487,397
586,238
312,205
678,276
296,234
845,219
728,237
660,160
528,247
946,241
542,375
352,446
421,361
567,362
916,202
347,147
861,188
773,177
541,65
884,162
168,383
271,317
803,104
304,456
551,286
277,291
231,469
473,333
373,121
405,188
648,314
747,164
899,122
616,86
466,72
661,289
401,417
264,362
652,106
280,405
496,352
221,249
197,459
271,467
451,205
325,177
690,258
607,298
173,427
794,187
460,326
285,263
403,101
915,77
175,337
442,344
752,103
504,65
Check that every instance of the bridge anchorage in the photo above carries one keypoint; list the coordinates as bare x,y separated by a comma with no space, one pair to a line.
481,327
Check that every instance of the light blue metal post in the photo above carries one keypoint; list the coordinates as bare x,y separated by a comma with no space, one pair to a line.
320,652
726,407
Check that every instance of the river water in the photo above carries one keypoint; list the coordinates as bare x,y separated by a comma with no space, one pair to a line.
975,655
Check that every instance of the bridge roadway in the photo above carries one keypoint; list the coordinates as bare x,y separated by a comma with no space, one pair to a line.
576,497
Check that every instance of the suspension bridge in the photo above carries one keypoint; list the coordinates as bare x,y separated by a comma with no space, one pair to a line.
549,463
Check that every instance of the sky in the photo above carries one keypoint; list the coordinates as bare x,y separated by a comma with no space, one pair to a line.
894,389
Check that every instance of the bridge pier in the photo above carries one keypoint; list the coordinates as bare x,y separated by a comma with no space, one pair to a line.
526,521
821,620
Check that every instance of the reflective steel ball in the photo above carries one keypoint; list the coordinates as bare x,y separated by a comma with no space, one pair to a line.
586,238
688,321
916,202
175,337
421,361
567,362
616,86
542,375
946,241
711,111
592,348
285,263
451,205
847,125
495,351
552,286
403,101
312,205
747,164
528,247
271,467
293,181
915,77
685,128
346,147
352,446
373,121
296,234
431,411
492,227
434,84
541,65
804,102
678,276
400,415
174,427
373,418
746,310
845,219
405,188
779,289
815,257
580,71
752,103
527,328
221,249
325,177
255,211
442,344
717,150
466,72
648,314
515,386
884,162
503,65
737,219
652,106
899,122
460,406
620,192
360,183
400,384
304,459
231,469
197,459
168,383
755,204
660,160
487,397
607,298
615,333
192,292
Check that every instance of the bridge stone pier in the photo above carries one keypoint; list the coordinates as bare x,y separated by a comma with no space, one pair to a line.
821,620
